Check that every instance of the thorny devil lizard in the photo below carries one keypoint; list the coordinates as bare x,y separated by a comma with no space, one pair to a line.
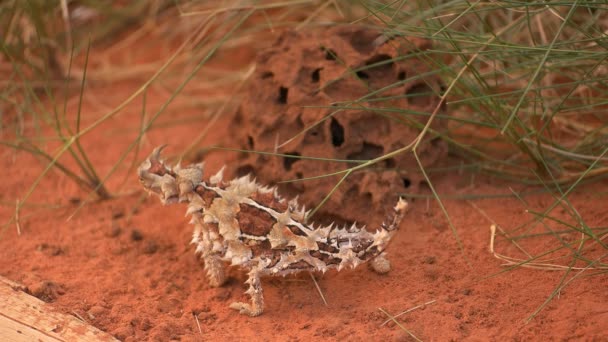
252,227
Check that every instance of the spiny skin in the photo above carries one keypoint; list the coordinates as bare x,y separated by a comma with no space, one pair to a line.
252,227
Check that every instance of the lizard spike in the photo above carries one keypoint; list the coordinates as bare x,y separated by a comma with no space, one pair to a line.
178,166
193,209
294,202
155,155
322,233
200,166
264,189
244,179
217,178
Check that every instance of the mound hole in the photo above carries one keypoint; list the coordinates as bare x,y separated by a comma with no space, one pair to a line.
238,117
363,41
283,92
337,133
420,95
368,151
436,141
316,75
380,65
390,163
330,54
267,74
362,75
244,170
406,182
288,162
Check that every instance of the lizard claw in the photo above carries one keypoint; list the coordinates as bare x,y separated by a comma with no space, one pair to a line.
245,309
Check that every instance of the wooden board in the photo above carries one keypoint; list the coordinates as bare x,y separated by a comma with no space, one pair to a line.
27,318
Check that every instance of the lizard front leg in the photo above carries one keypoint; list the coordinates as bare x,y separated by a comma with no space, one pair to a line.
215,270
204,237
255,292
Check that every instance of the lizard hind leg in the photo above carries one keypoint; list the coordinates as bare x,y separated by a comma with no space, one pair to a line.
255,292
380,264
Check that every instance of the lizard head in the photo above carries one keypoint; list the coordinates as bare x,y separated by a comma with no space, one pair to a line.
158,178
171,185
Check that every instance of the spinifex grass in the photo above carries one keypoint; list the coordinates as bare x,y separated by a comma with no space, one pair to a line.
531,105
526,83
37,97
40,39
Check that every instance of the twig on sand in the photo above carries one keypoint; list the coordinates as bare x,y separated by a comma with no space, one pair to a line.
17,223
406,311
198,324
392,318
79,317
318,288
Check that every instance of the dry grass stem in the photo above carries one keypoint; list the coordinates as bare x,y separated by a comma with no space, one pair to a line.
392,318
198,324
511,261
318,288
409,310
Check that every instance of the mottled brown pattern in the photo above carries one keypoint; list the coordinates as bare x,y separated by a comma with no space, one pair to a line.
327,247
269,201
262,249
206,195
371,253
212,227
361,245
296,231
158,168
254,221
327,259
300,265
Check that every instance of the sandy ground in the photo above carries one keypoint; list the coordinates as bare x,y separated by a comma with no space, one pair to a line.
125,265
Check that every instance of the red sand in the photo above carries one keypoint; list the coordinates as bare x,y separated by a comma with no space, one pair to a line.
126,267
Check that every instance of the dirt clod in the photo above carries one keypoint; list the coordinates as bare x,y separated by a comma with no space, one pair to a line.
96,311
50,250
303,88
150,247
46,291
114,230
117,213
123,332
136,235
